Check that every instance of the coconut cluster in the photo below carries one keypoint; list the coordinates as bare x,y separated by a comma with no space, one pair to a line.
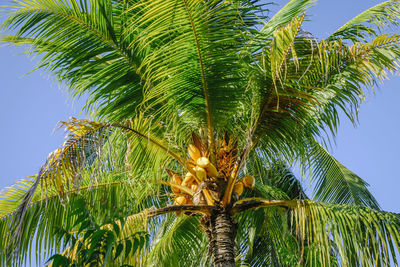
200,171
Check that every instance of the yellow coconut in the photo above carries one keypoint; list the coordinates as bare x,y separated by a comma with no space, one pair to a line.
194,152
249,181
200,173
189,178
238,188
203,162
180,200
211,170
176,179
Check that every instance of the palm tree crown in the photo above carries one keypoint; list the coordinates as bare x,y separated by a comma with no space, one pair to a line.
203,108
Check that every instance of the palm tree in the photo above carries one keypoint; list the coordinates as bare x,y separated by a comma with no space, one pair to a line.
196,100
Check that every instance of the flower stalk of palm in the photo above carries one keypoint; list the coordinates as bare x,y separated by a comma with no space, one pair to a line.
217,94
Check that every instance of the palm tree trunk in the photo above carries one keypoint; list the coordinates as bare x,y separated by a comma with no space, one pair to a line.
222,233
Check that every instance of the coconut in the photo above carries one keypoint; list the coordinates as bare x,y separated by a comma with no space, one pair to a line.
189,178
203,162
249,181
200,173
238,188
211,170
178,180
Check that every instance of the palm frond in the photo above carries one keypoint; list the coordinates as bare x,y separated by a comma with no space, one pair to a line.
282,47
333,77
356,236
86,153
179,241
12,195
334,183
83,44
347,72
335,235
194,66
46,213
274,178
92,242
87,140
261,236
293,9
369,22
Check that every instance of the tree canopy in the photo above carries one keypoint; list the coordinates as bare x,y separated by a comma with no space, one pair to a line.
217,90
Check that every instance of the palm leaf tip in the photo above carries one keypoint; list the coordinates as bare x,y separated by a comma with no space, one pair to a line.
366,240
370,22
334,183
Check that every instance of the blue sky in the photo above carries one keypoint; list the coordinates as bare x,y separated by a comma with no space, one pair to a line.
31,105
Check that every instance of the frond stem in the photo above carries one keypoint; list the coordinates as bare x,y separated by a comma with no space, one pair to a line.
68,192
210,130
205,209
254,203
175,156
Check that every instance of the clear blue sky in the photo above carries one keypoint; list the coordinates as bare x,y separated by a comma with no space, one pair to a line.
32,105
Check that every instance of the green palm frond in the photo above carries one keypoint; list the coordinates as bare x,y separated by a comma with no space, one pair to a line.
273,180
45,213
84,165
194,66
84,45
283,178
368,22
343,73
357,236
334,183
90,144
332,234
262,234
113,241
179,241
306,102
11,195
293,9
282,47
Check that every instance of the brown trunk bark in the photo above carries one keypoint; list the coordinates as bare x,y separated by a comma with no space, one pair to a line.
221,230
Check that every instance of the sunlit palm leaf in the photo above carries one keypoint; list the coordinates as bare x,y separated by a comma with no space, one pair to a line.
334,183
293,8
179,241
308,99
47,213
83,43
368,22
194,66
85,154
329,234
358,236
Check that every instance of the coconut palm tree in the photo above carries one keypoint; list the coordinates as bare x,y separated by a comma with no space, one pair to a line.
203,109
